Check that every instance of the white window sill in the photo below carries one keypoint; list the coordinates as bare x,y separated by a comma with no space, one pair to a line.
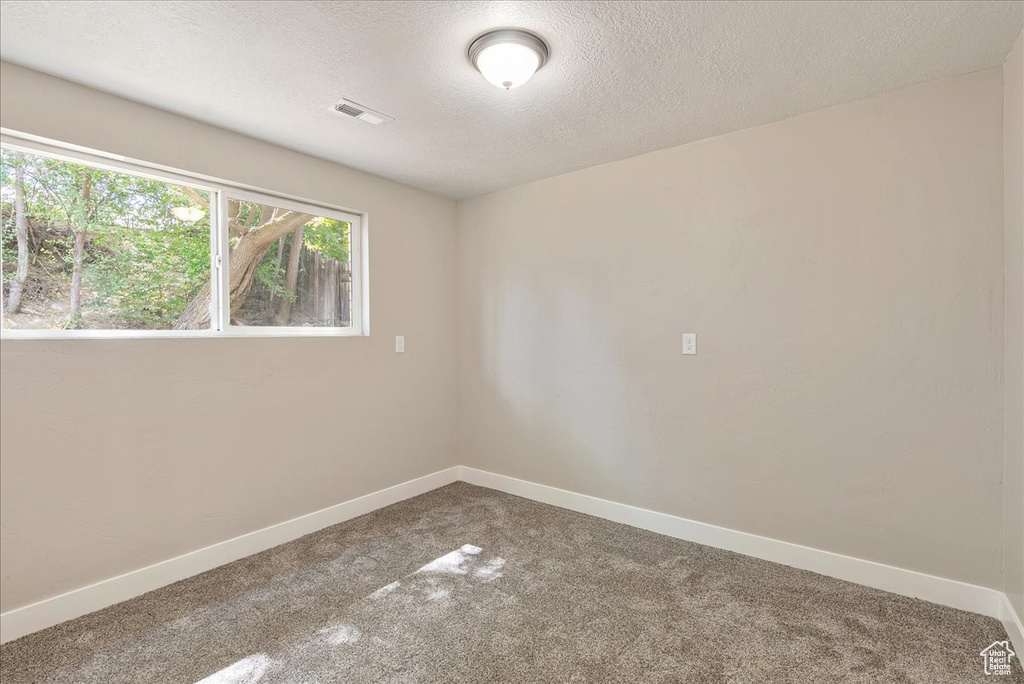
233,333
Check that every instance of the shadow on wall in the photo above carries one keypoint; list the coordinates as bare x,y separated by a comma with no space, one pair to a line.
552,367
827,376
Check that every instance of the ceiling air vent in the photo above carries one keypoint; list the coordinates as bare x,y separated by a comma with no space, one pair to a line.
358,111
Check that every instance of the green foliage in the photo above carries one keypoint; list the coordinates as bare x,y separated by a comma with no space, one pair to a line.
145,278
141,264
328,236
272,277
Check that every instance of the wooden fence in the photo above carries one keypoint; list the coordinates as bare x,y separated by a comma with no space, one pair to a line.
324,290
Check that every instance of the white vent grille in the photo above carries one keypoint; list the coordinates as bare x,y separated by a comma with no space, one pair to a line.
358,111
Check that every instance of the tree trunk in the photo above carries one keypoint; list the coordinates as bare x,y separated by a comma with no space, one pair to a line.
280,253
291,279
21,227
277,266
245,256
75,316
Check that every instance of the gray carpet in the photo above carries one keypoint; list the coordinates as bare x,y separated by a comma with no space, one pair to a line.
466,584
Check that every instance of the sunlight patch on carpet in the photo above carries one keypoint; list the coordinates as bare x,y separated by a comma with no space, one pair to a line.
248,670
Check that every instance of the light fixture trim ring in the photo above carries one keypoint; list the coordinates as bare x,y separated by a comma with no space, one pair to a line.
509,35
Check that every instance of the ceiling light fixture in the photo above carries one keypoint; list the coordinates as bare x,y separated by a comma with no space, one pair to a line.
508,57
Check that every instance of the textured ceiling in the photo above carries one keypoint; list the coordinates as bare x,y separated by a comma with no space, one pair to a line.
624,77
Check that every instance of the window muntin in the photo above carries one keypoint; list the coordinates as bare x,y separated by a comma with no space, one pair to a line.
330,278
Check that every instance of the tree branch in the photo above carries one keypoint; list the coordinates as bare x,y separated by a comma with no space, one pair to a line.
196,196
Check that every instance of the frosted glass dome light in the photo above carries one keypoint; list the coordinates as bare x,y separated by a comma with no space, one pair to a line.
508,58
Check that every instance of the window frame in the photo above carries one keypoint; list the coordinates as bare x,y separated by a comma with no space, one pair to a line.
219,191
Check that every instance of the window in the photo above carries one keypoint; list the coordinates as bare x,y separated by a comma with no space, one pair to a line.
86,248
96,247
303,279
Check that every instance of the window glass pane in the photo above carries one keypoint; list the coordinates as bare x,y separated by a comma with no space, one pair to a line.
288,268
85,248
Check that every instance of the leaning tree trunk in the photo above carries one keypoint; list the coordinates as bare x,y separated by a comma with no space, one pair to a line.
291,279
21,228
78,257
243,260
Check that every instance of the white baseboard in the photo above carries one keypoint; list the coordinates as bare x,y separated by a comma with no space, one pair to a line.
947,592
48,612
1012,623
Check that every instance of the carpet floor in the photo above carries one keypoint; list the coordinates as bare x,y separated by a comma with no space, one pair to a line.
465,584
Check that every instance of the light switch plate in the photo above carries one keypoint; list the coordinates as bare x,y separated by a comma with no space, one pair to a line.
400,344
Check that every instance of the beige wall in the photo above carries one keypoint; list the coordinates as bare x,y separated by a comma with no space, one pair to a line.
117,454
843,272
1013,352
